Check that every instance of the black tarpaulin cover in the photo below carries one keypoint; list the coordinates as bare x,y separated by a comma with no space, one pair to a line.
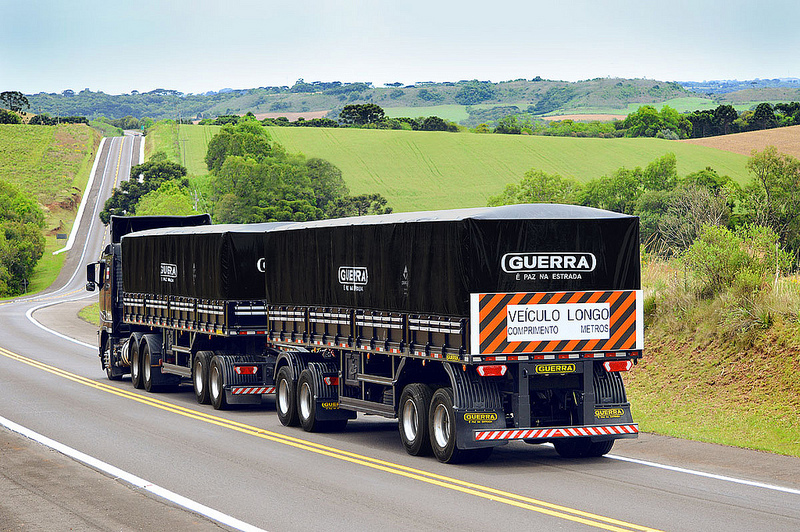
122,225
429,262
221,262
423,262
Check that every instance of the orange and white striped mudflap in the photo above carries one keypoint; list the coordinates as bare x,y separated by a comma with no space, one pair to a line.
557,432
252,390
556,322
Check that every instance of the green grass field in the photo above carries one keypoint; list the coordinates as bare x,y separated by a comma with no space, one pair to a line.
53,164
420,170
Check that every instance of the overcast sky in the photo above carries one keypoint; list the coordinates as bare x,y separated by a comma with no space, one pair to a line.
201,45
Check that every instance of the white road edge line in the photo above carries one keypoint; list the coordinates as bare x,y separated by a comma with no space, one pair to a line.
29,315
141,483
76,224
703,474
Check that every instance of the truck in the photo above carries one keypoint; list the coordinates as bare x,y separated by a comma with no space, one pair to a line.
471,327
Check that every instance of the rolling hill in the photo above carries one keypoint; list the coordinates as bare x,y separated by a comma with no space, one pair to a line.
419,170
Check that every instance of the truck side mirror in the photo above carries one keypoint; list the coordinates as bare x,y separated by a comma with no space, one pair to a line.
90,279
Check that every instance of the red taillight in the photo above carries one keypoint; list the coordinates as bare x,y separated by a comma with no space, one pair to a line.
618,365
245,370
331,381
492,371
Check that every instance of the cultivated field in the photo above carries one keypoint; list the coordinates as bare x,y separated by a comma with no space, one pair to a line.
420,170
785,139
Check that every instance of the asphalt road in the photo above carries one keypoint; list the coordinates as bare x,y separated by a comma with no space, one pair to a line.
245,465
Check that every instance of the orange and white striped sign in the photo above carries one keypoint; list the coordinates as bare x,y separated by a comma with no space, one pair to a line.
556,322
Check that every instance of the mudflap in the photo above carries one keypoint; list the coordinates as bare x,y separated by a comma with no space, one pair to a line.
159,379
263,378
327,393
477,405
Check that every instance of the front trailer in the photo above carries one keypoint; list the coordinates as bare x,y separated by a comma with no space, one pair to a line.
472,327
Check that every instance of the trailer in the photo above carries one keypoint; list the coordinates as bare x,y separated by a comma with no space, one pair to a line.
472,327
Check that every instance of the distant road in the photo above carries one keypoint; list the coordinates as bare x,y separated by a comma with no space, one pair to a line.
243,464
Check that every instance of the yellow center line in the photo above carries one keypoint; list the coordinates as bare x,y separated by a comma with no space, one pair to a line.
462,486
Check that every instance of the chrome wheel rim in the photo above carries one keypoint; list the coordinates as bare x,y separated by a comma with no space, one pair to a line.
283,396
305,401
441,426
409,420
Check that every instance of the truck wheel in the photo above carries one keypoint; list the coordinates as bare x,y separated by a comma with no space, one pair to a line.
136,366
307,401
599,448
147,369
415,402
572,447
216,385
200,376
442,427
286,398
108,361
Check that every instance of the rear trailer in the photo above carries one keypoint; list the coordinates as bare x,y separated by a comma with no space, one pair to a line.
473,327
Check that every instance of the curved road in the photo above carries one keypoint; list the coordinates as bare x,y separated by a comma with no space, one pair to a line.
243,470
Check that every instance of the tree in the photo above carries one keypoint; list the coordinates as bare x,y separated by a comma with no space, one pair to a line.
170,198
14,100
764,116
724,116
247,137
361,205
508,125
661,174
326,181
618,192
537,186
7,117
145,177
434,123
773,196
361,114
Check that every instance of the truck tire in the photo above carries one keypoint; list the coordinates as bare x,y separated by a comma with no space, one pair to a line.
147,369
599,448
442,427
286,398
136,365
307,402
572,447
415,402
108,361
216,384
200,365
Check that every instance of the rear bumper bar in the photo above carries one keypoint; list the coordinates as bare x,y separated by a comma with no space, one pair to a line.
626,430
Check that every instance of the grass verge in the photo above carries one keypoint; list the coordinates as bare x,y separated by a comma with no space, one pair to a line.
91,314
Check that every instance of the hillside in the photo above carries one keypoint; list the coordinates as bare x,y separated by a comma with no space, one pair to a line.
52,163
785,139
536,96
419,170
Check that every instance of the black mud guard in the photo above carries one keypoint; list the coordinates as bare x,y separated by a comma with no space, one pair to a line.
327,395
477,405
231,378
153,341
611,403
296,360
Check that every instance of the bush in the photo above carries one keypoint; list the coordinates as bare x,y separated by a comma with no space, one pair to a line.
740,262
